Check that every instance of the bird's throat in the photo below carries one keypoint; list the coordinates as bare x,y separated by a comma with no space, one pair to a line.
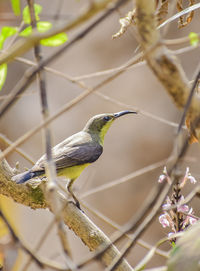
104,131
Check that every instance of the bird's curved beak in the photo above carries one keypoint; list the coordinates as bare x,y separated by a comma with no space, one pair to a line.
121,113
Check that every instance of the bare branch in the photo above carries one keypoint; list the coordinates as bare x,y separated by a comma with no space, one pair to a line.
7,142
164,64
50,168
26,44
125,178
110,222
33,196
38,260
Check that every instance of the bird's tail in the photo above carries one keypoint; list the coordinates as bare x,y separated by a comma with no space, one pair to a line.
23,177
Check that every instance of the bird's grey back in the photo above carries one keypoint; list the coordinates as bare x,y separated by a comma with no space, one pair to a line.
77,149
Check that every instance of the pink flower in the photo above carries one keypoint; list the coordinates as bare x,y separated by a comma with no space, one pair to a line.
192,179
165,170
189,220
187,177
192,220
183,208
170,234
166,206
164,221
162,178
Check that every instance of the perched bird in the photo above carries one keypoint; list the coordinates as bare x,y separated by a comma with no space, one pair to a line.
76,152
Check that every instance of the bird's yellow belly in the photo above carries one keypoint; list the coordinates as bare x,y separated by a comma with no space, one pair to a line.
72,172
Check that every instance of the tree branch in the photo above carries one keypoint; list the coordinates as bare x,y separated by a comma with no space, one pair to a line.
164,64
23,45
32,195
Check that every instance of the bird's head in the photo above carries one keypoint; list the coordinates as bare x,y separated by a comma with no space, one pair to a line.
99,124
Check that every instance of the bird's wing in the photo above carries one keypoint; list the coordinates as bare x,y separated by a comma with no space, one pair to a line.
72,156
78,155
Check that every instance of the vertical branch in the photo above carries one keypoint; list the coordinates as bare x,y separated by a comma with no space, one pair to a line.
165,65
50,167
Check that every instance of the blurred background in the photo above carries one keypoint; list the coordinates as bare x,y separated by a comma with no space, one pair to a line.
132,143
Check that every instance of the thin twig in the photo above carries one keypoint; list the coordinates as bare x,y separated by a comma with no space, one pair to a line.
189,100
50,168
81,84
40,262
114,225
179,14
149,217
136,60
58,10
17,240
190,196
58,113
40,243
147,11
152,204
178,41
126,178
7,142
156,195
152,251
31,73
160,268
163,191
103,96
75,219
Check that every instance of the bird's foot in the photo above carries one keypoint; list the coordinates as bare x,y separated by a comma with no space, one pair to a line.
69,187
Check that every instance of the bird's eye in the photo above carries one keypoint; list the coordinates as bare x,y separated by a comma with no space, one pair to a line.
106,118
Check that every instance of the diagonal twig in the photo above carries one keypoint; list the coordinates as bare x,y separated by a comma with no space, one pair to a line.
31,73
50,168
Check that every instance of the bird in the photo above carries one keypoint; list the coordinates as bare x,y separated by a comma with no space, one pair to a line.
76,152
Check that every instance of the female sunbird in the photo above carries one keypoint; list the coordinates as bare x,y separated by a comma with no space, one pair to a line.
76,152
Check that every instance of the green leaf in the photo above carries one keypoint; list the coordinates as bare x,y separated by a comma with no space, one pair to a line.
26,32
3,74
173,244
6,32
174,250
56,40
26,13
16,7
43,26
194,39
